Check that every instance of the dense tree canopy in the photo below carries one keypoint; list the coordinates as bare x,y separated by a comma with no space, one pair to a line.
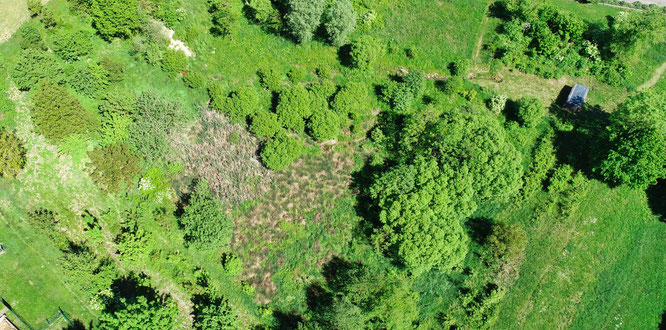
33,65
139,313
459,159
340,21
637,153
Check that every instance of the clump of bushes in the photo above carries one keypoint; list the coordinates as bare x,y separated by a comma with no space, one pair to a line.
34,65
324,125
58,114
264,124
113,165
271,79
280,151
339,21
174,61
529,111
294,106
72,45
365,51
12,154
303,18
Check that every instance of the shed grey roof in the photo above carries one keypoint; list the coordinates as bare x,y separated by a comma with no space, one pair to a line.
577,96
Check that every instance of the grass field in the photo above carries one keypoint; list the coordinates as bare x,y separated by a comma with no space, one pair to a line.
32,281
595,268
446,31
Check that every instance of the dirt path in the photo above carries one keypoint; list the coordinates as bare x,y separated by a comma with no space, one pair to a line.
655,77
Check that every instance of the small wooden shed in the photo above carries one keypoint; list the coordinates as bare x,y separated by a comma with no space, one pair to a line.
576,97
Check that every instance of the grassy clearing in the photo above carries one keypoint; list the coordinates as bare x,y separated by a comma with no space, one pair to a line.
597,267
438,32
32,281
586,11
516,84
13,14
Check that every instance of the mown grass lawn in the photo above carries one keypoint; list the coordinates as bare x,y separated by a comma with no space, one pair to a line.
12,12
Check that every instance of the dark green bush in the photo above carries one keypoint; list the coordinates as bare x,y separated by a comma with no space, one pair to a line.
296,75
115,18
224,18
264,124
353,100
89,79
324,125
204,221
453,85
294,105
241,103
529,111
33,65
173,61
115,69
72,45
31,37
461,68
280,151
365,50
415,82
265,13
195,79
270,79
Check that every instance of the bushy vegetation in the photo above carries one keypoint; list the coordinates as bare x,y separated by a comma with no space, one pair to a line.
12,154
58,114
332,164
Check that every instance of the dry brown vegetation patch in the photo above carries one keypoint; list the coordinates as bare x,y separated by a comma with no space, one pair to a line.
225,155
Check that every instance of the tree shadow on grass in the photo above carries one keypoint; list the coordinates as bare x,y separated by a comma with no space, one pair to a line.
586,144
657,200
479,229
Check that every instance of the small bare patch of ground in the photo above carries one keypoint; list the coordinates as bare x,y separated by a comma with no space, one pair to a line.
174,43
225,155
310,185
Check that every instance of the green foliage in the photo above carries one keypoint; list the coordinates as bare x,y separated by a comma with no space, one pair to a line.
12,154
215,314
561,178
324,125
139,313
477,308
453,85
461,68
31,37
264,124
114,68
173,61
632,32
224,18
265,13
118,101
35,7
90,79
543,160
113,165
399,96
271,79
115,18
241,103
32,66
156,117
353,100
457,160
204,222
365,50
366,298
637,154
505,247
529,111
340,21
294,105
296,75
280,151
303,18
195,79
72,45
415,82
58,114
